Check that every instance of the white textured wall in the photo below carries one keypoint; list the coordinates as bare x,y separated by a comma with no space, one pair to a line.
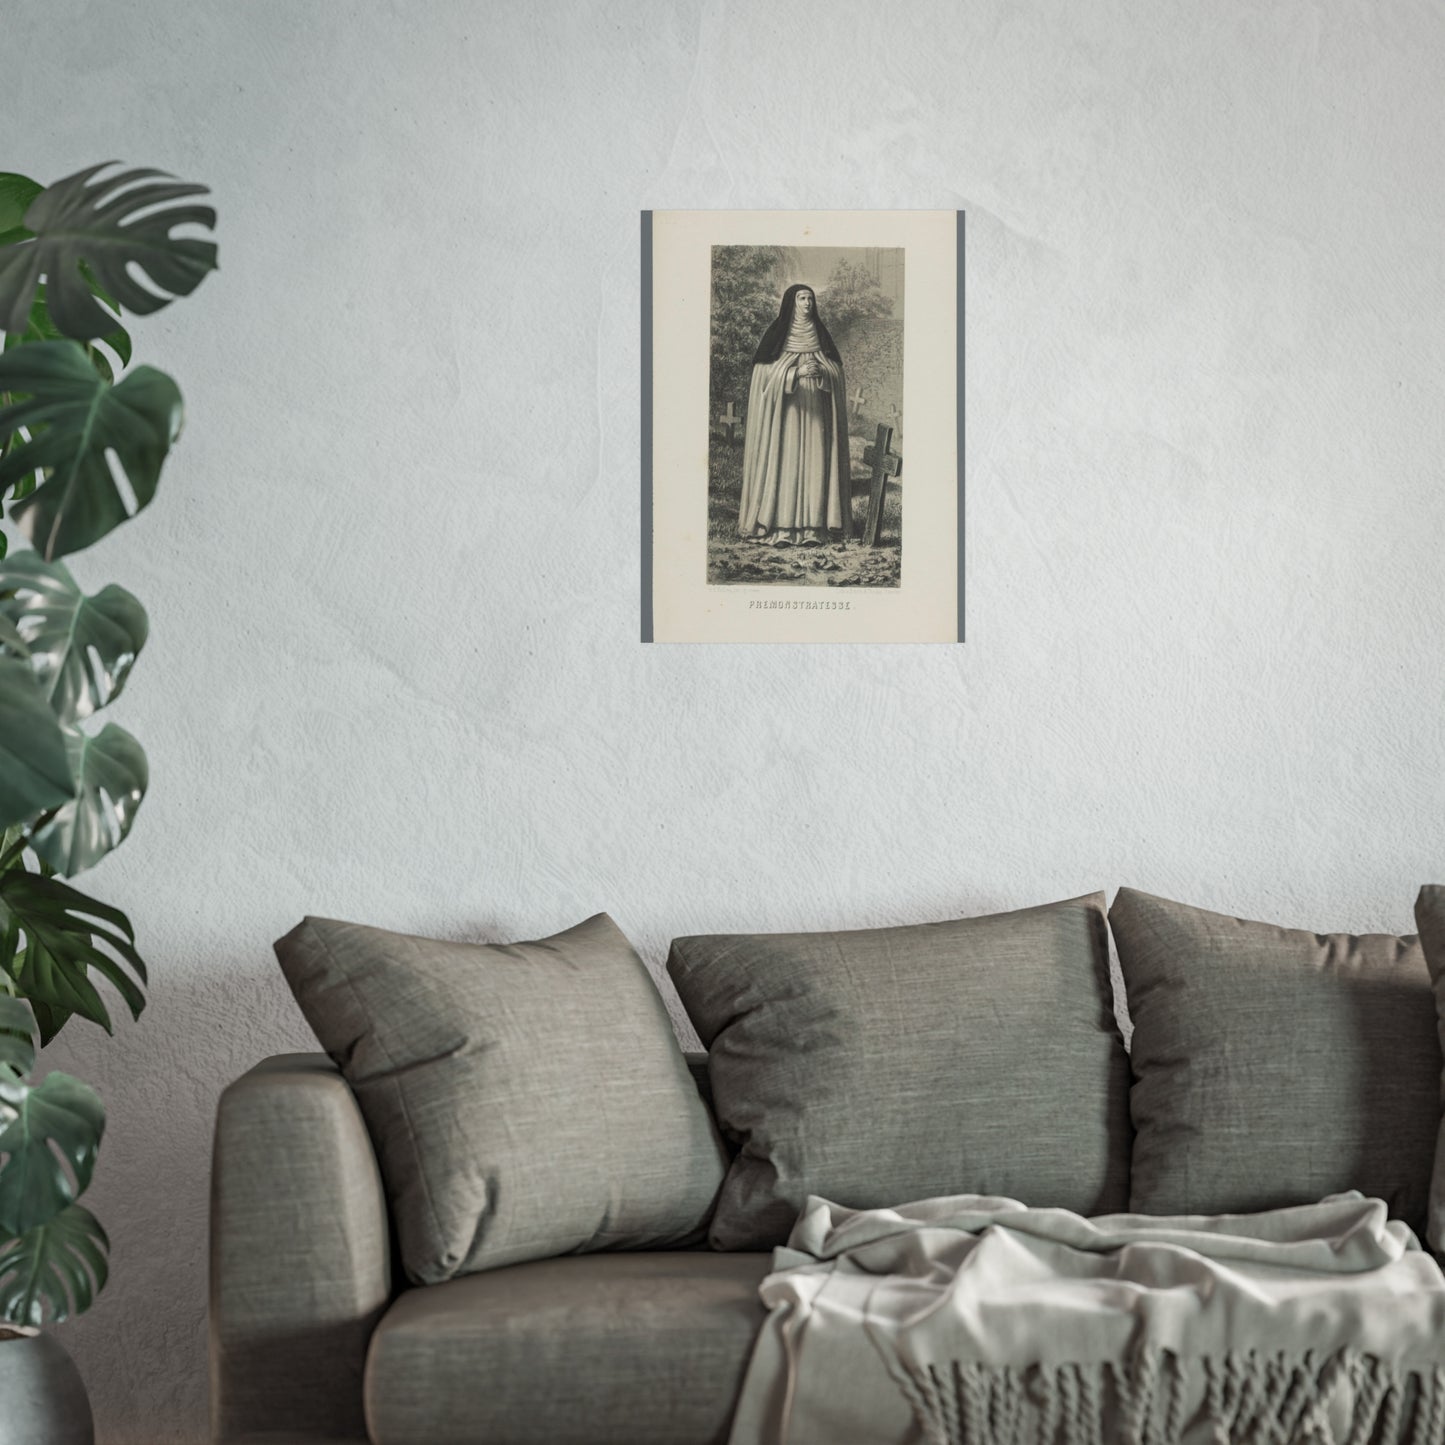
393,571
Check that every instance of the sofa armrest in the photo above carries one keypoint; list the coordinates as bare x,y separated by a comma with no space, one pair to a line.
300,1254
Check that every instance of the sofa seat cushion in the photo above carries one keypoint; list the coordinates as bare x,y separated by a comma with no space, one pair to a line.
645,1348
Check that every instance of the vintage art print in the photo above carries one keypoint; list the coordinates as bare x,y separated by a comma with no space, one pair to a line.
793,361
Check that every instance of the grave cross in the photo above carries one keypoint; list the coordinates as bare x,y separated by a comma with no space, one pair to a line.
858,398
731,420
885,463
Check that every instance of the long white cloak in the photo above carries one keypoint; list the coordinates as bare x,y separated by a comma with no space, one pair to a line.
797,483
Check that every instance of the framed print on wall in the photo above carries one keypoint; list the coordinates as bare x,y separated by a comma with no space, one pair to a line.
793,361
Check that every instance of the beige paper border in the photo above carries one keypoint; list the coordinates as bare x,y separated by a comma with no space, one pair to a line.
685,608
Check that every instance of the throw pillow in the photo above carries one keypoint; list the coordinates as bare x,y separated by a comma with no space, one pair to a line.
883,1065
524,1099
1430,920
1274,1066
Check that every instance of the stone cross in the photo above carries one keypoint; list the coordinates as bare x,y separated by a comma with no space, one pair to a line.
731,420
885,463
858,398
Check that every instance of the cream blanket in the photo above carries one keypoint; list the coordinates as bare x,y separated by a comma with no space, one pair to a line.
977,1321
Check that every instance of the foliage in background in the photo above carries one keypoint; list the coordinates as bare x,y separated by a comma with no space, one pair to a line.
852,295
84,435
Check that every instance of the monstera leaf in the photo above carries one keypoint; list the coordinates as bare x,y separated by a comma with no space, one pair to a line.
110,776
81,648
41,328
34,762
49,1137
16,194
55,1271
17,1041
51,936
76,419
83,222
10,638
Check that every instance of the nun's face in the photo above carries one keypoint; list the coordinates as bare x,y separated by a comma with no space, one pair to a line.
804,303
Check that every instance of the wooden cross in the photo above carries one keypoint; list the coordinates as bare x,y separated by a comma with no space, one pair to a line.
858,398
731,420
885,464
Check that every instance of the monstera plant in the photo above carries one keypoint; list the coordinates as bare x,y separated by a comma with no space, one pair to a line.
84,435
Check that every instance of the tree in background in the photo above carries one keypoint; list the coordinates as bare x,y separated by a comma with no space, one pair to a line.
852,295
747,285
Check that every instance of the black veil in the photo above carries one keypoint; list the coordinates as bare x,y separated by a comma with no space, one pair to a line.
774,338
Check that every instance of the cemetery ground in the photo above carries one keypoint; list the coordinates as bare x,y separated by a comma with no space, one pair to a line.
732,560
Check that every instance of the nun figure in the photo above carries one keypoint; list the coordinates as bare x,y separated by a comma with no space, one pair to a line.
796,478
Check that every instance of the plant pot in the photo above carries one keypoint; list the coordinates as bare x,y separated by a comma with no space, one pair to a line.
42,1397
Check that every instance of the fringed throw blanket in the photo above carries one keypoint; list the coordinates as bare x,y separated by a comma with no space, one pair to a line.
976,1321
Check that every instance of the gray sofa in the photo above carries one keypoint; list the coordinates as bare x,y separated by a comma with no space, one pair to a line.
312,1340
1268,1067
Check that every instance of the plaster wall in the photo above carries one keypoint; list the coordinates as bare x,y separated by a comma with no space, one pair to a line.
393,565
